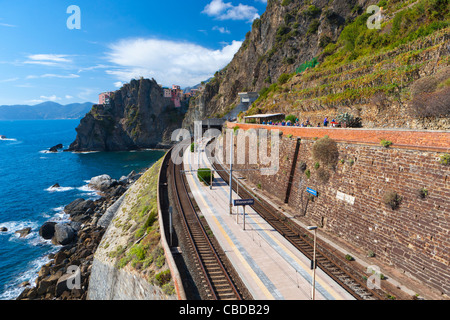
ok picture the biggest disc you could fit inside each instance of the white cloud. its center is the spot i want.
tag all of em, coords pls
(221, 29)
(48, 59)
(7, 25)
(9, 80)
(50, 98)
(227, 11)
(168, 62)
(118, 84)
(68, 97)
(50, 75)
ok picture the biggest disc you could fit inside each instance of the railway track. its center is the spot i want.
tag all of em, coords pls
(216, 281)
(302, 240)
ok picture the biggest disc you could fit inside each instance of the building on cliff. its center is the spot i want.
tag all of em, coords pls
(104, 97)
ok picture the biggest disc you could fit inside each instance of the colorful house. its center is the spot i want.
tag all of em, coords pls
(104, 97)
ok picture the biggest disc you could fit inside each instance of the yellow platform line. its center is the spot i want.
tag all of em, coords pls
(234, 248)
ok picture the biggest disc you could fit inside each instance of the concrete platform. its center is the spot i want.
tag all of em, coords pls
(270, 267)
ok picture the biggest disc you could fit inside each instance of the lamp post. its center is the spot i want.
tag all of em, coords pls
(313, 287)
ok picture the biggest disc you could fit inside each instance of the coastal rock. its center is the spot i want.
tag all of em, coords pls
(3, 229)
(79, 207)
(24, 232)
(64, 234)
(47, 230)
(102, 183)
(56, 148)
(138, 116)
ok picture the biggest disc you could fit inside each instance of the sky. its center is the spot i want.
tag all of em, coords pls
(70, 51)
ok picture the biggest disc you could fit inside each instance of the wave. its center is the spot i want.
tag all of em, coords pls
(14, 226)
(13, 290)
(59, 189)
(7, 139)
(90, 192)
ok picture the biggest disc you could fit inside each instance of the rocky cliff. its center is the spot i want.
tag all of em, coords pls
(287, 34)
(137, 117)
(319, 58)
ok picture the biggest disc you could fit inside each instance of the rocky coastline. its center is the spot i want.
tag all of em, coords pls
(66, 275)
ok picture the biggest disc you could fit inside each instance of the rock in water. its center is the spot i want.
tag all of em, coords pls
(3, 229)
(47, 230)
(56, 148)
(64, 234)
(79, 207)
(24, 232)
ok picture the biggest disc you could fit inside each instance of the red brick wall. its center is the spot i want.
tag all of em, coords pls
(413, 238)
(404, 138)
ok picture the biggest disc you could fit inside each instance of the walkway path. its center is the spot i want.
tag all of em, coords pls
(268, 264)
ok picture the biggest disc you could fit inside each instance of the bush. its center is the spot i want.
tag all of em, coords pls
(433, 104)
(204, 175)
(445, 159)
(291, 117)
(313, 26)
(325, 150)
(308, 173)
(392, 199)
(386, 143)
(323, 175)
(422, 193)
(312, 11)
(163, 278)
(283, 78)
(348, 257)
(349, 120)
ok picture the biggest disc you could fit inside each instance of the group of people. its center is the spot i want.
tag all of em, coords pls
(303, 124)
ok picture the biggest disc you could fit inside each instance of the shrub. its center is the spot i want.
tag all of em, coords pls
(283, 78)
(302, 166)
(312, 11)
(205, 175)
(325, 150)
(313, 26)
(323, 175)
(386, 143)
(433, 104)
(422, 193)
(291, 118)
(445, 159)
(392, 199)
(308, 173)
(348, 257)
(163, 278)
(349, 120)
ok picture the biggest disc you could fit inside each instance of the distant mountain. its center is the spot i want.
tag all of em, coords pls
(45, 111)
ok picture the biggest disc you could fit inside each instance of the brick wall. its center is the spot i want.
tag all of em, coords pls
(413, 238)
(437, 140)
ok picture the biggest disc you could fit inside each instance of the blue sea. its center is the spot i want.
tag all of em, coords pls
(27, 173)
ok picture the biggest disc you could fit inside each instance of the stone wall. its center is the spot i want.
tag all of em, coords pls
(131, 256)
(413, 238)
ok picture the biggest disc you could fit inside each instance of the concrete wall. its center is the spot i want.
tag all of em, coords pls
(414, 238)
